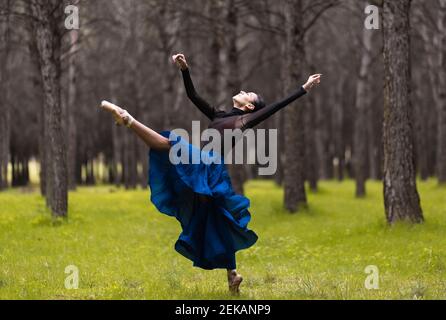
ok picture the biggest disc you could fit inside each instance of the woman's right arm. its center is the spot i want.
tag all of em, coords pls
(201, 104)
(192, 94)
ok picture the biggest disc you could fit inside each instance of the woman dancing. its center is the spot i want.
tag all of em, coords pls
(213, 218)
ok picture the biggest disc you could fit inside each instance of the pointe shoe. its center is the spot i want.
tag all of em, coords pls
(121, 116)
(114, 110)
(234, 281)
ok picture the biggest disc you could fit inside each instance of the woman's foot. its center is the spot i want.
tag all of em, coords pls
(121, 116)
(234, 280)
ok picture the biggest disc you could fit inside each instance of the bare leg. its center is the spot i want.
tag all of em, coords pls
(234, 280)
(151, 138)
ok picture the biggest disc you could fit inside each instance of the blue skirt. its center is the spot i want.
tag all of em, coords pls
(200, 196)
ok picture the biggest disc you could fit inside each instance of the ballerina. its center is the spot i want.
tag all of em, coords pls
(213, 217)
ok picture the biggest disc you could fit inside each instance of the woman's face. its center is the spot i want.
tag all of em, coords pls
(243, 98)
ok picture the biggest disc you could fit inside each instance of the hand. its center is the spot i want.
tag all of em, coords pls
(313, 80)
(180, 61)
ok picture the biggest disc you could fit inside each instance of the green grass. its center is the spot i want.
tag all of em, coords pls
(123, 248)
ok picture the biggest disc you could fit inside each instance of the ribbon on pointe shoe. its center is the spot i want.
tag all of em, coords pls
(128, 119)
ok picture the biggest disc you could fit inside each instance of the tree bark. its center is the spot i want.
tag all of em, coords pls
(295, 196)
(5, 128)
(233, 84)
(48, 41)
(441, 156)
(401, 199)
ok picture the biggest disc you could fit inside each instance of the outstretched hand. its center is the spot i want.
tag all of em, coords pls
(180, 60)
(312, 81)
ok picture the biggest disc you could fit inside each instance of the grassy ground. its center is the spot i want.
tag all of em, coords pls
(123, 248)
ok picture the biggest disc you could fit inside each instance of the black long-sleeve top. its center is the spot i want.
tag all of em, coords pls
(236, 118)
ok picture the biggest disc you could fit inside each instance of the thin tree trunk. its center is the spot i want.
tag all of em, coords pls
(71, 110)
(278, 177)
(360, 133)
(374, 143)
(337, 129)
(5, 128)
(130, 172)
(401, 199)
(311, 161)
(321, 136)
(280, 117)
(215, 85)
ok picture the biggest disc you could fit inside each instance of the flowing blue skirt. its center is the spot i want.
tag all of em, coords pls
(200, 196)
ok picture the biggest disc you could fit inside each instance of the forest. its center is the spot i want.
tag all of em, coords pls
(376, 123)
(122, 51)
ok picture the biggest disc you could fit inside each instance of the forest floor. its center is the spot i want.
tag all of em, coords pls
(123, 248)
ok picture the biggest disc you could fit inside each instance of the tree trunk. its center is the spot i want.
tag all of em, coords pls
(168, 35)
(321, 137)
(130, 172)
(374, 142)
(360, 143)
(5, 128)
(401, 199)
(338, 125)
(311, 158)
(71, 110)
(278, 177)
(311, 169)
(295, 195)
(49, 45)
(280, 116)
(237, 171)
(216, 44)
(441, 156)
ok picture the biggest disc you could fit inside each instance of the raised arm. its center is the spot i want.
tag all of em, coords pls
(252, 119)
(192, 94)
(201, 104)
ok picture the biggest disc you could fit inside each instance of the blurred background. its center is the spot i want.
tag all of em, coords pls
(121, 52)
(361, 151)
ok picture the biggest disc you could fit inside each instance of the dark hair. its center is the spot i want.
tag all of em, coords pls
(258, 103)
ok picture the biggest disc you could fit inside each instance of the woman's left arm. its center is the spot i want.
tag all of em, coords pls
(252, 119)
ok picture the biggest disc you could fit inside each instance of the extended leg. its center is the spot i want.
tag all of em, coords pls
(151, 138)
